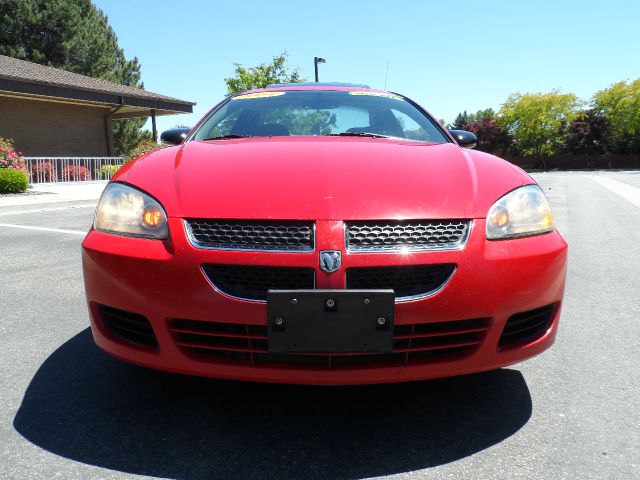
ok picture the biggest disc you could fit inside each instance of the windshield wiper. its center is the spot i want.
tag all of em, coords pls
(356, 134)
(225, 137)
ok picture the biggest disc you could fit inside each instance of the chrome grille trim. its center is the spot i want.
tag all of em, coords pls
(412, 297)
(421, 296)
(352, 228)
(259, 247)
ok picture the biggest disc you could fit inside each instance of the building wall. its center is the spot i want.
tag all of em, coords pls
(42, 128)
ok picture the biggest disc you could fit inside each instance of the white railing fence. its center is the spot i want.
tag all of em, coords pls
(71, 169)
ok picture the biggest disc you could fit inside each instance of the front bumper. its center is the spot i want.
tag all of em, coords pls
(164, 281)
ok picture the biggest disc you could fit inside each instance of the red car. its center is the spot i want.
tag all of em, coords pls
(323, 234)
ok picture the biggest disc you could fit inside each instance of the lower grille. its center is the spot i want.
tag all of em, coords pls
(407, 281)
(128, 326)
(252, 282)
(247, 344)
(526, 327)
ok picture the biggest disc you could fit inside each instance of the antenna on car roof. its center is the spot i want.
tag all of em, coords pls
(386, 75)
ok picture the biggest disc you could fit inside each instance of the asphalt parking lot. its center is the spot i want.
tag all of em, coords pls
(69, 411)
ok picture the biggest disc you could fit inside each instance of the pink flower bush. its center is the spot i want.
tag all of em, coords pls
(73, 172)
(43, 172)
(9, 158)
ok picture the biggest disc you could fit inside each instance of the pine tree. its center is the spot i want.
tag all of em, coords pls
(461, 121)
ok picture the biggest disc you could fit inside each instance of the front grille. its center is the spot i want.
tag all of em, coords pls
(252, 282)
(251, 235)
(128, 326)
(526, 327)
(410, 235)
(248, 345)
(406, 281)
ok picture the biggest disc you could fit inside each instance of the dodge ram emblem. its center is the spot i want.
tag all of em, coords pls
(330, 260)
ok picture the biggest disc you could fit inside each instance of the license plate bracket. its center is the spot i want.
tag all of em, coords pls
(330, 321)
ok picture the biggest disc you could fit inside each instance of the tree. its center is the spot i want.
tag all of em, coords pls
(298, 121)
(464, 119)
(127, 134)
(73, 35)
(620, 105)
(486, 113)
(492, 138)
(40, 32)
(536, 121)
(461, 121)
(588, 134)
(262, 75)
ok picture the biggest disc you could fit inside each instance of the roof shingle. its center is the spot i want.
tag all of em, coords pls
(22, 71)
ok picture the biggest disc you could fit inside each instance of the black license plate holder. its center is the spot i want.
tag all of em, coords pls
(330, 321)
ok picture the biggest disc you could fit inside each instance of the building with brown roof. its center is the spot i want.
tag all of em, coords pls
(52, 112)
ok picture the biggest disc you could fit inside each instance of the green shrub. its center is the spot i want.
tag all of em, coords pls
(13, 181)
(143, 147)
(108, 171)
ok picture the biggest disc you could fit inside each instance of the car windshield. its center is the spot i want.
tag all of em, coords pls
(319, 112)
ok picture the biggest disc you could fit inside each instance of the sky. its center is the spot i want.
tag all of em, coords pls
(447, 56)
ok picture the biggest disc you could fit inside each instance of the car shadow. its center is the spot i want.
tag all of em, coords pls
(86, 406)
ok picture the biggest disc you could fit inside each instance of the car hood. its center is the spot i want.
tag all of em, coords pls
(323, 178)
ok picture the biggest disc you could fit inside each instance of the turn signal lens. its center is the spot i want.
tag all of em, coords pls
(522, 212)
(152, 216)
(499, 217)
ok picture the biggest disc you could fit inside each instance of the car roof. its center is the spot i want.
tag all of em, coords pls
(318, 84)
(315, 86)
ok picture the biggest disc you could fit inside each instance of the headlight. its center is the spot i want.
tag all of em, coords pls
(124, 210)
(522, 212)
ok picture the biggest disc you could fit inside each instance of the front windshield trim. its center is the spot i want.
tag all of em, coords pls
(207, 116)
(437, 124)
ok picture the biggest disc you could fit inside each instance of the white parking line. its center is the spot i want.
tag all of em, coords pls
(624, 190)
(54, 209)
(43, 229)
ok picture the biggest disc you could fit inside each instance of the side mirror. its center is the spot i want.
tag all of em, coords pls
(175, 136)
(465, 139)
